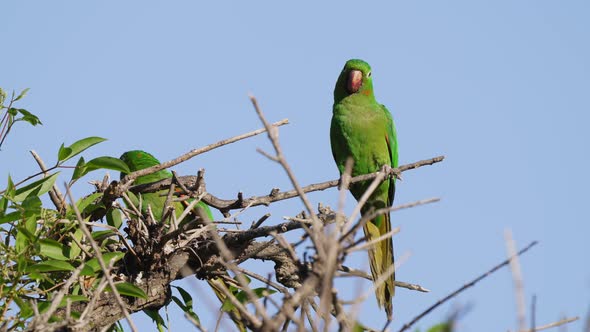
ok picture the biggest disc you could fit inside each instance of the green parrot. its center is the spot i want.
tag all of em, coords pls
(363, 129)
(137, 160)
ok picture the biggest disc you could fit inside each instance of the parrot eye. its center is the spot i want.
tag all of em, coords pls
(369, 74)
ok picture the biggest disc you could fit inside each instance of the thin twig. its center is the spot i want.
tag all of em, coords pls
(222, 204)
(554, 324)
(516, 279)
(128, 179)
(462, 288)
(534, 312)
(260, 221)
(358, 273)
(373, 242)
(382, 211)
(54, 194)
(267, 281)
(273, 137)
(361, 202)
(342, 191)
(195, 322)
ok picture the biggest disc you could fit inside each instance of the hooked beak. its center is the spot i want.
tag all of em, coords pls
(355, 80)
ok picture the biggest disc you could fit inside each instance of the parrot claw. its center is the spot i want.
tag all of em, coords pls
(391, 172)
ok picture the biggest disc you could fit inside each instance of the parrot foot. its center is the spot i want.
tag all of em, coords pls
(391, 172)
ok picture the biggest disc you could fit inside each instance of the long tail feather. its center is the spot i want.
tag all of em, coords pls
(381, 260)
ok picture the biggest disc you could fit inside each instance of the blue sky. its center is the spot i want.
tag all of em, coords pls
(499, 87)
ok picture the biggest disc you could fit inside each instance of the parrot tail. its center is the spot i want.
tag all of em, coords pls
(381, 260)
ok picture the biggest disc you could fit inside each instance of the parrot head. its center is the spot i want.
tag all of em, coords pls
(135, 160)
(355, 78)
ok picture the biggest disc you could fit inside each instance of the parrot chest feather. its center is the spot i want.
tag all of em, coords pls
(364, 137)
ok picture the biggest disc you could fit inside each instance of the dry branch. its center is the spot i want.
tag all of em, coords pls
(464, 287)
(554, 324)
(275, 195)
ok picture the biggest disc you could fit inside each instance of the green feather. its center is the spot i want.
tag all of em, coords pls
(137, 160)
(363, 129)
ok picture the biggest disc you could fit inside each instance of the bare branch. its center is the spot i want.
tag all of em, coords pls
(358, 273)
(274, 138)
(54, 194)
(233, 204)
(464, 287)
(554, 324)
(127, 180)
(517, 279)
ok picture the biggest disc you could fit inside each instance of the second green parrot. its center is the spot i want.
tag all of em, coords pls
(137, 160)
(363, 129)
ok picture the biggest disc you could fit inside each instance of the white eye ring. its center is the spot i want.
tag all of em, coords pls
(369, 74)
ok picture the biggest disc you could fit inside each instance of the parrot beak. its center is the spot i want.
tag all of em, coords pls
(355, 80)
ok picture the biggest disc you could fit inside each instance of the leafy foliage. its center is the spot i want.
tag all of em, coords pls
(9, 115)
(41, 247)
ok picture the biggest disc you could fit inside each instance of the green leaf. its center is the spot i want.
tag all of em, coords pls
(36, 188)
(66, 153)
(53, 249)
(263, 291)
(88, 271)
(157, 318)
(442, 327)
(80, 170)
(22, 94)
(72, 298)
(3, 205)
(29, 117)
(118, 327)
(129, 289)
(84, 202)
(186, 297)
(31, 206)
(25, 309)
(115, 164)
(73, 249)
(179, 303)
(12, 216)
(227, 305)
(114, 218)
(25, 234)
(242, 297)
(50, 266)
(44, 305)
(2, 97)
(63, 152)
(358, 327)
(22, 263)
(187, 306)
(186, 309)
(100, 235)
(10, 189)
(93, 266)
